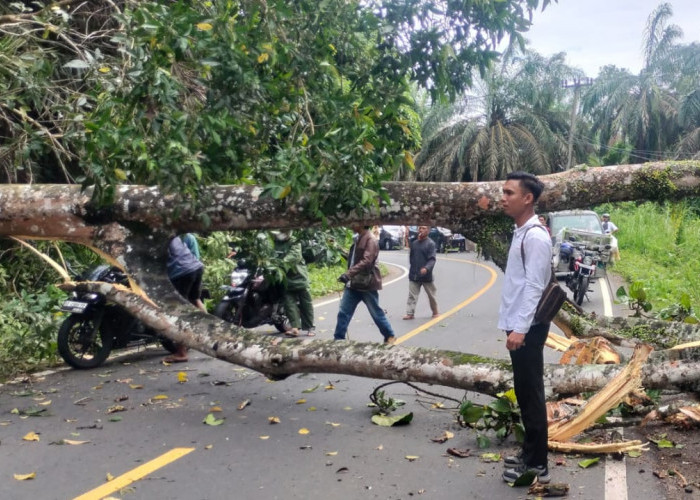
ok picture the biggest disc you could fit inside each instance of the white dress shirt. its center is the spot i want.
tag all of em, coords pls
(523, 285)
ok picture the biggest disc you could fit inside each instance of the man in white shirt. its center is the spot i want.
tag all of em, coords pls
(609, 227)
(528, 271)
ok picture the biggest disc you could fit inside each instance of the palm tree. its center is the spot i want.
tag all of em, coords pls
(639, 109)
(513, 119)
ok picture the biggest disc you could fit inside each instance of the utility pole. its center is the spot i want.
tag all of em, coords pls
(576, 83)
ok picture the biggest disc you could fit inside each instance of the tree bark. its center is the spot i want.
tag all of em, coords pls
(134, 233)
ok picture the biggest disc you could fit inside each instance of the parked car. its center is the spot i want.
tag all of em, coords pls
(580, 226)
(391, 237)
(445, 240)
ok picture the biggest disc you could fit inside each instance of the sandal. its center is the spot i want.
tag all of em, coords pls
(172, 359)
(309, 333)
(292, 333)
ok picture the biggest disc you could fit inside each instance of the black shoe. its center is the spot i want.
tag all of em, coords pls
(541, 472)
(514, 461)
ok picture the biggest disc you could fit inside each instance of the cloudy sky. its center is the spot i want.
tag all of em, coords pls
(594, 33)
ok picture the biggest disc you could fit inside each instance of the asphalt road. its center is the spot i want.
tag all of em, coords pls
(324, 446)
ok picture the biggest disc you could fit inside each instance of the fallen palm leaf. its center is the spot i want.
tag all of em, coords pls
(304, 431)
(215, 409)
(412, 458)
(333, 424)
(159, 397)
(45, 403)
(264, 437)
(115, 409)
(300, 401)
(331, 453)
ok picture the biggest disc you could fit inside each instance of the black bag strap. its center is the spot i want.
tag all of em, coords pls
(522, 248)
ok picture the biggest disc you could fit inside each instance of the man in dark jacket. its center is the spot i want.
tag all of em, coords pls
(362, 260)
(420, 274)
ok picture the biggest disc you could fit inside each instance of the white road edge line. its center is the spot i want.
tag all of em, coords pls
(404, 272)
(615, 470)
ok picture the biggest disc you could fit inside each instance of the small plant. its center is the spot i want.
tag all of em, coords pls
(681, 311)
(501, 415)
(636, 300)
(385, 404)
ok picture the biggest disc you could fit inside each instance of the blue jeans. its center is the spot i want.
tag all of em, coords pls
(348, 304)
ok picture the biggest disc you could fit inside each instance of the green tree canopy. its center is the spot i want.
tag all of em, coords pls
(307, 98)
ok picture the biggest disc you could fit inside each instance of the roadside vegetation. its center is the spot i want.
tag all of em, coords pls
(659, 248)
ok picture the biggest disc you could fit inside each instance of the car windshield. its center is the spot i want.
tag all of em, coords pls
(581, 222)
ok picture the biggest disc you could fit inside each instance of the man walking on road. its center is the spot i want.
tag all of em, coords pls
(362, 260)
(421, 258)
(528, 271)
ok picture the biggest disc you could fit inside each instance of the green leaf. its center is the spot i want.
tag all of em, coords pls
(664, 443)
(472, 414)
(210, 419)
(390, 421)
(500, 405)
(311, 389)
(526, 479)
(585, 464)
(482, 441)
(115, 418)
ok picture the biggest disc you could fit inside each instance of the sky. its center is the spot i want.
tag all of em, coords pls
(594, 33)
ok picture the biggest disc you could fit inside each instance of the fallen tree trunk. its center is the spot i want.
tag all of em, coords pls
(278, 360)
(134, 231)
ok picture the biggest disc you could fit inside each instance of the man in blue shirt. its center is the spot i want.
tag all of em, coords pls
(528, 271)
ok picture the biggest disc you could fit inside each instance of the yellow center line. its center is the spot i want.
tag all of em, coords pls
(456, 308)
(139, 472)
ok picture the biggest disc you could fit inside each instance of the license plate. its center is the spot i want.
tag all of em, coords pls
(73, 306)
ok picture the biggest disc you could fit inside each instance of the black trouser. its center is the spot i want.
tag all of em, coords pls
(528, 379)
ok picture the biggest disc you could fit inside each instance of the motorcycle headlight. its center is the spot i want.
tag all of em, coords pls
(238, 277)
(91, 296)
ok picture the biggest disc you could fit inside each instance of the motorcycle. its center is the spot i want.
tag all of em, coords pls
(583, 264)
(95, 327)
(250, 301)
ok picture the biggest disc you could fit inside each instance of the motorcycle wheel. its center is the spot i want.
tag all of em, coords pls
(582, 289)
(168, 345)
(81, 345)
(283, 324)
(226, 310)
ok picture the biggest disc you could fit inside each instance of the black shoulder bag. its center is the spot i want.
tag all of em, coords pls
(553, 295)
